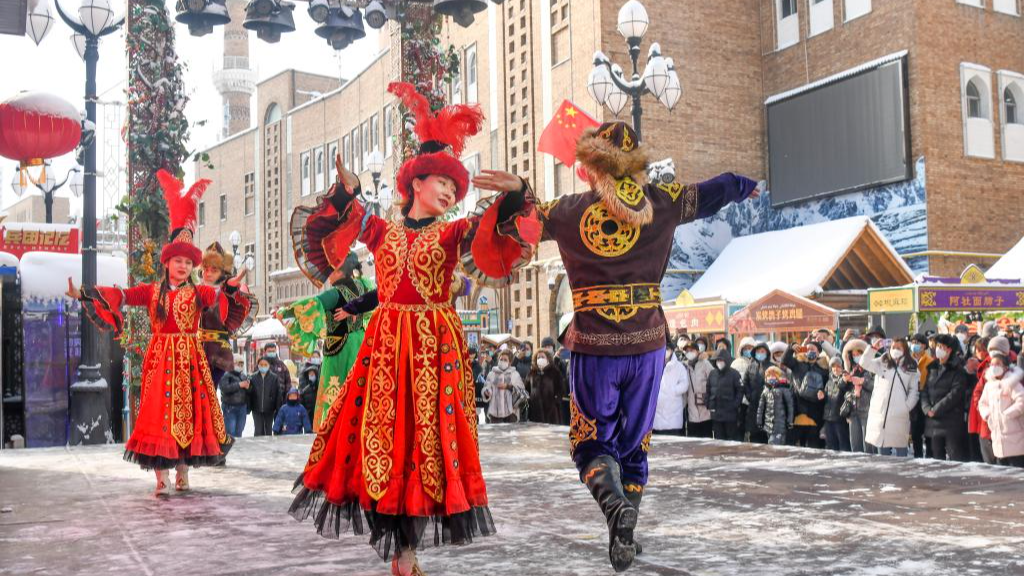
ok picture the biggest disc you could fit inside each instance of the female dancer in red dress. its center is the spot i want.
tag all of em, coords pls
(180, 422)
(399, 444)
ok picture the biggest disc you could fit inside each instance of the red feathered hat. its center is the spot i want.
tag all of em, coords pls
(442, 137)
(181, 207)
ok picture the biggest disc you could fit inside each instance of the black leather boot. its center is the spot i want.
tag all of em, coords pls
(603, 477)
(635, 493)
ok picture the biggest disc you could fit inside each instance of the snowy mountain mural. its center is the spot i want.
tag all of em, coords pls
(898, 210)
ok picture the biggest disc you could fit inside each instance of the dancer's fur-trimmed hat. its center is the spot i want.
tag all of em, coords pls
(617, 167)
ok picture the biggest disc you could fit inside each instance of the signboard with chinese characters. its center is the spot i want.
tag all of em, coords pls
(781, 312)
(698, 318)
(965, 298)
(18, 238)
(894, 300)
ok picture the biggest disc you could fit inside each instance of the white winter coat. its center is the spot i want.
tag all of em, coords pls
(697, 397)
(895, 395)
(1002, 407)
(675, 382)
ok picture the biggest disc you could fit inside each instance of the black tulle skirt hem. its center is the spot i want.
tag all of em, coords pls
(147, 462)
(389, 534)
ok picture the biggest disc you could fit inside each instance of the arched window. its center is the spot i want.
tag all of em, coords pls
(273, 114)
(1010, 106)
(974, 108)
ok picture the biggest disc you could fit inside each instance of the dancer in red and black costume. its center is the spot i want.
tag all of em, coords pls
(180, 423)
(399, 443)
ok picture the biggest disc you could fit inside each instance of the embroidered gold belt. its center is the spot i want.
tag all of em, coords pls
(616, 302)
(428, 307)
(218, 336)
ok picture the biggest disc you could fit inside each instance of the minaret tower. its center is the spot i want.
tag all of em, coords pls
(234, 79)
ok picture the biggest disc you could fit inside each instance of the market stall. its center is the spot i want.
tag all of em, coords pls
(780, 315)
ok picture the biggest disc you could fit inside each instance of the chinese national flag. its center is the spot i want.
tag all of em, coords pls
(563, 132)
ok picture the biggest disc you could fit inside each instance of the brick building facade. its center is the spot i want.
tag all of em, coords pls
(526, 56)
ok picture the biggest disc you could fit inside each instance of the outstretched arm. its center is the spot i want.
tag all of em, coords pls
(708, 197)
(499, 236)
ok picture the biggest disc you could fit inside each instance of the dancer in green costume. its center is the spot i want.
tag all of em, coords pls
(338, 316)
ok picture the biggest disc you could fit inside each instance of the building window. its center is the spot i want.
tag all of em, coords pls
(975, 3)
(472, 165)
(821, 15)
(389, 129)
(855, 9)
(1011, 87)
(332, 153)
(973, 100)
(346, 152)
(1006, 7)
(472, 85)
(374, 132)
(249, 196)
(357, 160)
(223, 207)
(304, 173)
(365, 144)
(202, 213)
(1010, 107)
(976, 93)
(457, 85)
(320, 169)
(787, 24)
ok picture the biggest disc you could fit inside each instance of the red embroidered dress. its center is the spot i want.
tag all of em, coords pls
(180, 420)
(400, 441)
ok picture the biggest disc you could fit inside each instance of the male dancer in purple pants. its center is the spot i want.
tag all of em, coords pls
(615, 242)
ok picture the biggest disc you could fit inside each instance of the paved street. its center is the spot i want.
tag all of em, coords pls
(712, 508)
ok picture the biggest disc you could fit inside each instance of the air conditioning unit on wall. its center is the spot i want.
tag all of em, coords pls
(13, 16)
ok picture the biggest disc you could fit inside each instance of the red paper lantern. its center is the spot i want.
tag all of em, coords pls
(35, 126)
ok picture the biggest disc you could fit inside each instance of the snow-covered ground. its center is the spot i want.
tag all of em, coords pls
(712, 508)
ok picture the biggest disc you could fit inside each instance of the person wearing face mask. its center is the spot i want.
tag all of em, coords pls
(670, 415)
(775, 408)
(265, 397)
(680, 346)
(977, 427)
(919, 349)
(894, 397)
(963, 337)
(504, 390)
(740, 365)
(753, 386)
(702, 345)
(837, 430)
(277, 367)
(810, 372)
(857, 404)
(546, 387)
(698, 415)
(524, 360)
(234, 397)
(976, 365)
(292, 418)
(725, 394)
(942, 400)
(309, 384)
(1002, 408)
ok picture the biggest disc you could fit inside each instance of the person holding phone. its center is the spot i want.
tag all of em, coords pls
(942, 400)
(895, 396)
(859, 397)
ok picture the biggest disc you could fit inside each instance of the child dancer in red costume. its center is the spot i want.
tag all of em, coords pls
(180, 422)
(399, 444)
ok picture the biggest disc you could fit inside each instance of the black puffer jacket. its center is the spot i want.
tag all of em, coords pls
(775, 411)
(231, 394)
(753, 386)
(943, 394)
(725, 392)
(809, 378)
(308, 387)
(265, 395)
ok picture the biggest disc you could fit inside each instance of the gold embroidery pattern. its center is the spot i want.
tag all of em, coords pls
(629, 191)
(379, 426)
(219, 430)
(616, 302)
(323, 433)
(673, 190)
(181, 391)
(390, 258)
(184, 306)
(545, 208)
(425, 393)
(306, 314)
(581, 428)
(617, 339)
(645, 444)
(604, 235)
(428, 307)
(627, 142)
(635, 488)
(426, 264)
(691, 199)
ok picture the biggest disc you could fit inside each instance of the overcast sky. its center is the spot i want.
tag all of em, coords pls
(55, 67)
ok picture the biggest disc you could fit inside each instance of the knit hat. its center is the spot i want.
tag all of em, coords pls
(442, 135)
(875, 330)
(617, 167)
(989, 329)
(747, 341)
(961, 328)
(239, 358)
(999, 344)
(181, 208)
(778, 347)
